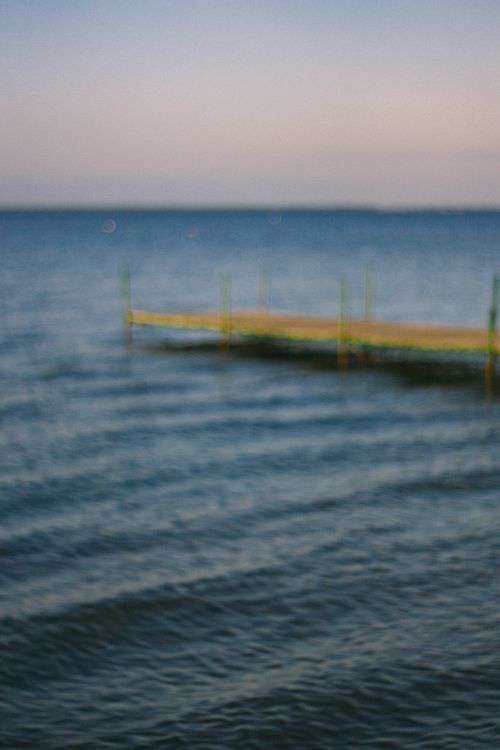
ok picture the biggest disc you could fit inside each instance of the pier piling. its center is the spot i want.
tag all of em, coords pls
(225, 310)
(343, 338)
(126, 295)
(492, 324)
(264, 288)
(367, 296)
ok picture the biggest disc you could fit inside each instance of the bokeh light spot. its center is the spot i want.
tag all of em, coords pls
(109, 226)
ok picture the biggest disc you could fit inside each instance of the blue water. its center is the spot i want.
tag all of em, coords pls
(201, 550)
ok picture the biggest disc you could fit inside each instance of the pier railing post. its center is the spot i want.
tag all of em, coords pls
(492, 324)
(264, 289)
(367, 296)
(343, 341)
(126, 295)
(225, 310)
(365, 355)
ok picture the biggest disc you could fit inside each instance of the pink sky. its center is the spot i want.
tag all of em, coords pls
(168, 103)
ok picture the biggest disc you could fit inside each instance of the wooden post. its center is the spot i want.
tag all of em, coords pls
(364, 356)
(225, 310)
(126, 306)
(264, 289)
(343, 346)
(367, 296)
(492, 324)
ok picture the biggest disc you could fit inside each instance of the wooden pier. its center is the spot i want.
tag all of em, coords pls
(311, 328)
(349, 335)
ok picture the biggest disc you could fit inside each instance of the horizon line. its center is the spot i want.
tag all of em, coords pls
(251, 207)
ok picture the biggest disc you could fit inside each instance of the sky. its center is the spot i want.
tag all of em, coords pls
(231, 102)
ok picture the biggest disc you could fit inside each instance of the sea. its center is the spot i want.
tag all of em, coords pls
(218, 549)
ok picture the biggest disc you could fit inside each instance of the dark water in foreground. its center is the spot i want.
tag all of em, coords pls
(210, 551)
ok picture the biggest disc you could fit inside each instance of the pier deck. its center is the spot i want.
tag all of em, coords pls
(373, 334)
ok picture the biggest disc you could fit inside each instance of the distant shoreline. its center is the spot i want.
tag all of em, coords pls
(288, 209)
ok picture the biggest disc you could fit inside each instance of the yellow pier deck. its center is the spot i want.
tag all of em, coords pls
(375, 334)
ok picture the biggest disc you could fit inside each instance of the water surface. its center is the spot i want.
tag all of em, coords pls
(210, 551)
